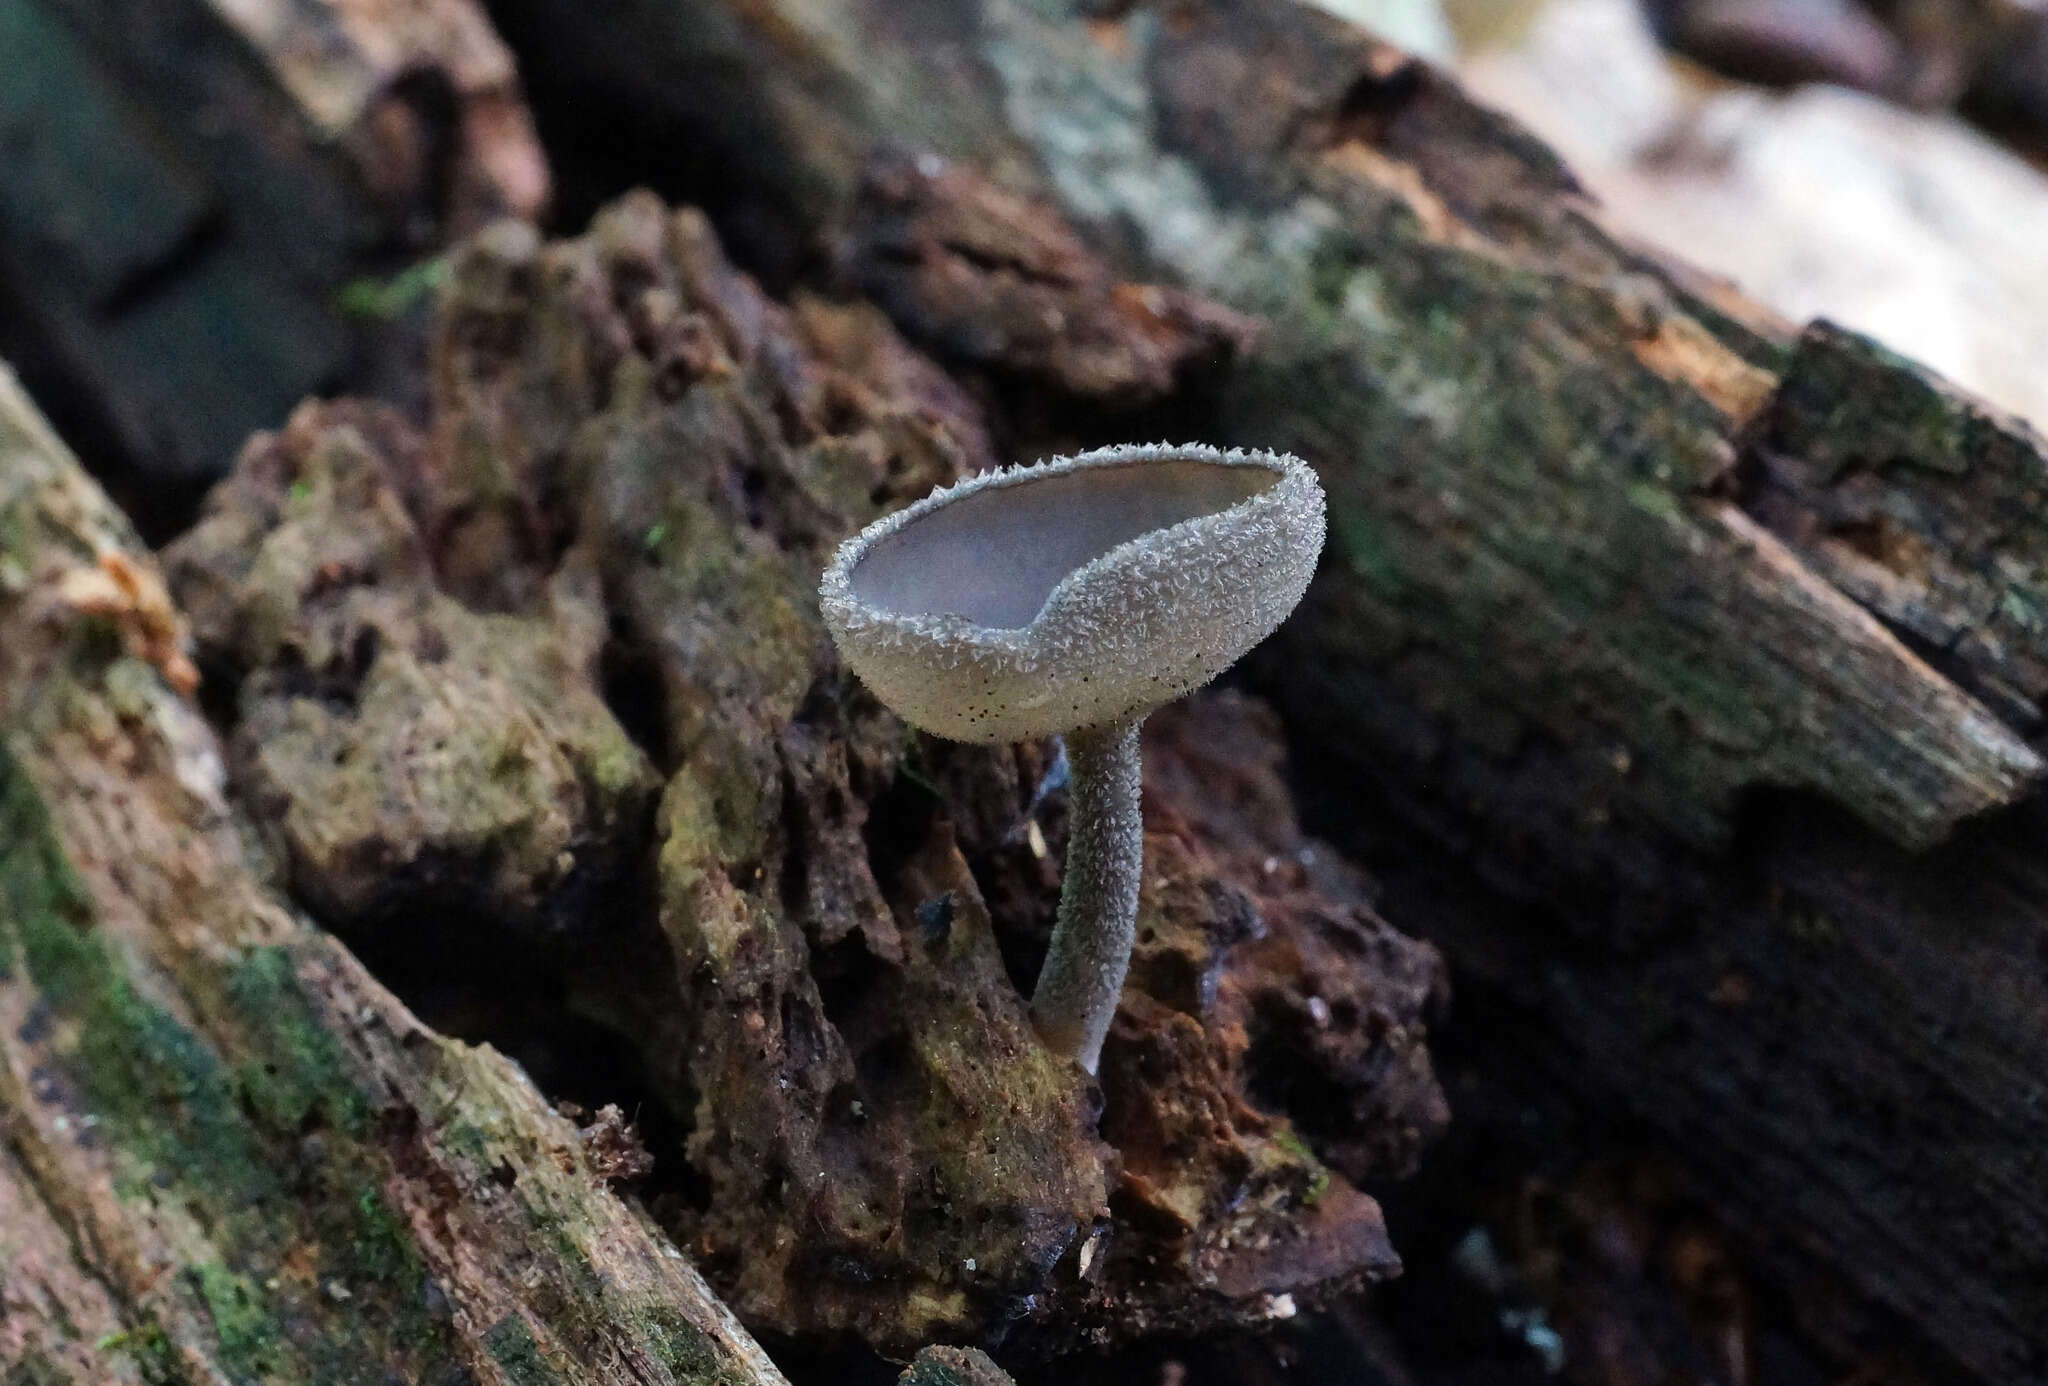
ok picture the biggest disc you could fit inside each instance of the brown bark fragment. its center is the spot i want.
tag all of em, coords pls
(1919, 502)
(983, 277)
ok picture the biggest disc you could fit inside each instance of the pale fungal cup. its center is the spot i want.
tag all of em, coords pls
(1072, 598)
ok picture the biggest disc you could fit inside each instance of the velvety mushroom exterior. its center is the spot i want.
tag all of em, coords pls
(1080, 592)
(1074, 597)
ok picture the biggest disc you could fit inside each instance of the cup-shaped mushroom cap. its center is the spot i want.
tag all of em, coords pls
(1088, 589)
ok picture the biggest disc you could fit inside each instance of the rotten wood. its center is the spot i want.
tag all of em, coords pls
(56, 1317)
(992, 280)
(807, 950)
(1623, 583)
(1657, 657)
(229, 1153)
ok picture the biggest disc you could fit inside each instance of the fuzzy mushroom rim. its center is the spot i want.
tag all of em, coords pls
(1134, 626)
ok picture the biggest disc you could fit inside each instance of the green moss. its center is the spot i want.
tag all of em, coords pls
(249, 1337)
(300, 1076)
(1333, 266)
(229, 1143)
(617, 766)
(381, 300)
(380, 1249)
(511, 1345)
(942, 1366)
(149, 1347)
(35, 881)
(14, 532)
(1655, 500)
(1849, 400)
(1512, 507)
(687, 1351)
(933, 1374)
(691, 1356)
(147, 1078)
(1289, 1140)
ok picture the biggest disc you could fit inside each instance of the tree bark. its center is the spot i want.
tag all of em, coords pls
(229, 1153)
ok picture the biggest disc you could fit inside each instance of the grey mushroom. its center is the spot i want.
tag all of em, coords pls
(1071, 599)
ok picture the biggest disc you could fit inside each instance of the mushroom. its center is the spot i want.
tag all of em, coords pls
(1071, 599)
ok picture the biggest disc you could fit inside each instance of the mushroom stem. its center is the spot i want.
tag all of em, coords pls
(1091, 941)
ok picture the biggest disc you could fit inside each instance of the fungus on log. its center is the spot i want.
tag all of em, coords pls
(1616, 562)
(1073, 598)
(799, 958)
(1638, 603)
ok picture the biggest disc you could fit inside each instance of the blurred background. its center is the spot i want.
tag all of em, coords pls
(212, 208)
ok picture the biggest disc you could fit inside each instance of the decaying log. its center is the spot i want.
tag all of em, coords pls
(192, 186)
(1702, 637)
(1622, 582)
(1844, 1037)
(226, 1152)
(635, 468)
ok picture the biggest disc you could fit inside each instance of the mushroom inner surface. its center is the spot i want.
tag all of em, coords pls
(994, 555)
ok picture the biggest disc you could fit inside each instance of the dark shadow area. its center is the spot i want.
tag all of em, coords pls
(525, 997)
(1619, 1094)
(630, 682)
(159, 505)
(609, 127)
(847, 1365)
